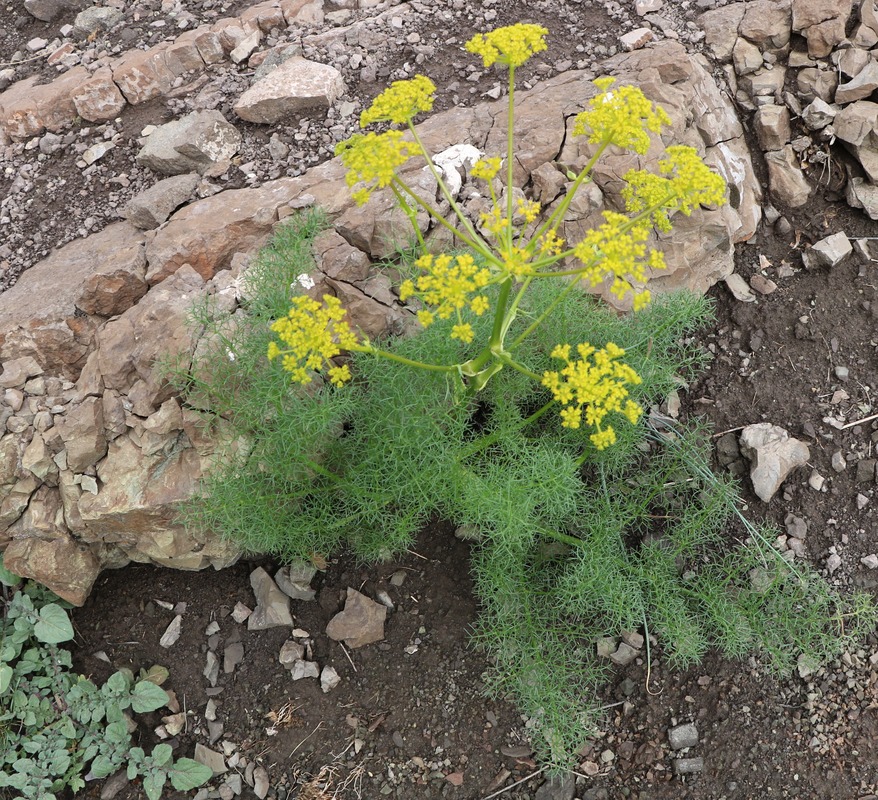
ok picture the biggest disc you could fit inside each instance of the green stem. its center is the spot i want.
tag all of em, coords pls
(558, 214)
(510, 131)
(442, 187)
(487, 441)
(475, 244)
(410, 213)
(539, 320)
(509, 362)
(403, 360)
(561, 537)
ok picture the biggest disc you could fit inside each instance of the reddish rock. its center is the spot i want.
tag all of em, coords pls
(82, 431)
(39, 317)
(209, 47)
(208, 233)
(66, 567)
(143, 74)
(183, 56)
(98, 99)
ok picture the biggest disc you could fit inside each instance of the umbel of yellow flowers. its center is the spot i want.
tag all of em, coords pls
(514, 244)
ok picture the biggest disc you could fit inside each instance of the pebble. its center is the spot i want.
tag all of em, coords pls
(682, 736)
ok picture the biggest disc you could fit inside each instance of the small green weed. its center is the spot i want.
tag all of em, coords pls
(59, 729)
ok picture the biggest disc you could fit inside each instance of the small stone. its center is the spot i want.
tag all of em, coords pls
(862, 501)
(761, 284)
(681, 736)
(232, 656)
(828, 252)
(212, 628)
(842, 373)
(210, 758)
(866, 470)
(838, 462)
(833, 562)
(606, 646)
(634, 40)
(211, 669)
(398, 578)
(210, 710)
(96, 152)
(795, 526)
(272, 605)
(739, 288)
(290, 653)
(260, 782)
(360, 623)
(816, 481)
(633, 638)
(241, 612)
(624, 654)
(688, 766)
(643, 7)
(870, 561)
(172, 633)
(329, 679)
(295, 579)
(36, 44)
(304, 669)
(806, 665)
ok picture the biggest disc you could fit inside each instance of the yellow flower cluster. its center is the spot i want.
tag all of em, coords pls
(611, 250)
(486, 168)
(593, 385)
(313, 333)
(621, 117)
(689, 182)
(373, 159)
(450, 284)
(512, 45)
(401, 101)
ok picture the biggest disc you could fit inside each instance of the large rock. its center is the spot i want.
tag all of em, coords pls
(41, 316)
(360, 623)
(153, 206)
(295, 86)
(788, 184)
(66, 567)
(129, 347)
(98, 99)
(699, 250)
(192, 143)
(773, 454)
(861, 87)
(821, 23)
(207, 233)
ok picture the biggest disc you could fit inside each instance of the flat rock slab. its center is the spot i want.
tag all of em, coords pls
(295, 86)
(152, 207)
(190, 144)
(360, 623)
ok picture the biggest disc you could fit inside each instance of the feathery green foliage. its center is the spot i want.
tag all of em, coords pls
(571, 545)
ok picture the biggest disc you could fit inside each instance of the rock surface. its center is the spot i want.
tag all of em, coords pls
(773, 454)
(361, 622)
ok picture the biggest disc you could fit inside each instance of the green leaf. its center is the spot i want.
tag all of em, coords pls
(54, 625)
(7, 577)
(147, 697)
(153, 783)
(117, 682)
(162, 754)
(156, 674)
(188, 774)
(102, 766)
(5, 677)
